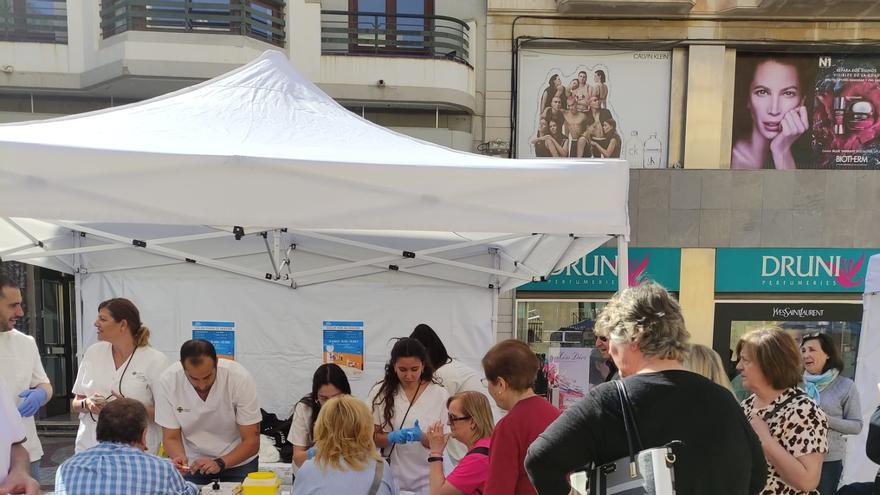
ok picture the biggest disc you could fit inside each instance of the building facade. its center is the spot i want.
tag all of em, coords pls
(693, 94)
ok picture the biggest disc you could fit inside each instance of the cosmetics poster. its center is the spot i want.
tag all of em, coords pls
(798, 111)
(594, 104)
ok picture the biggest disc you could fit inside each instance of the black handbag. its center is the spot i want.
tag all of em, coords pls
(648, 471)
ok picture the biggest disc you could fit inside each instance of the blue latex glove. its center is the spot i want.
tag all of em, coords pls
(406, 435)
(33, 400)
(310, 454)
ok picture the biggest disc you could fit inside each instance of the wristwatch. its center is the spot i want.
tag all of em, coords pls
(220, 463)
(435, 459)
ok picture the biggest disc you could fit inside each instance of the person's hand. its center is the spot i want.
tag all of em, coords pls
(436, 438)
(310, 454)
(92, 406)
(205, 466)
(19, 482)
(181, 464)
(794, 123)
(761, 428)
(406, 435)
(33, 400)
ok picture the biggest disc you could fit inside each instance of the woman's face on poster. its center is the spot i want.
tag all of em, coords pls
(606, 126)
(543, 126)
(594, 102)
(775, 90)
(553, 127)
(582, 78)
(574, 84)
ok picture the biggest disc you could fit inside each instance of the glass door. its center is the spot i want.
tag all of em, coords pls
(54, 334)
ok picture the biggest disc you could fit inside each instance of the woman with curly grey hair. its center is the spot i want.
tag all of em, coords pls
(718, 452)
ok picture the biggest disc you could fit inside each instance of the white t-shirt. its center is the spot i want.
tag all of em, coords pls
(300, 432)
(409, 461)
(98, 375)
(11, 429)
(457, 377)
(21, 370)
(209, 427)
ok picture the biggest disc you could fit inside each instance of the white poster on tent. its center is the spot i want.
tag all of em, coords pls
(594, 103)
(344, 346)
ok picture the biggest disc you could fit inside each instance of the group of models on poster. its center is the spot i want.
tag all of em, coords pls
(574, 120)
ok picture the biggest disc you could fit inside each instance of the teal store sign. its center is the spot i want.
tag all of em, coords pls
(791, 270)
(597, 271)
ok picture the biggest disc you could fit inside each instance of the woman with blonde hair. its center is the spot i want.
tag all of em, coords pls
(705, 361)
(792, 429)
(346, 459)
(471, 423)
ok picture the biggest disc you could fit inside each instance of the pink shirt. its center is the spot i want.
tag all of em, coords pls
(471, 473)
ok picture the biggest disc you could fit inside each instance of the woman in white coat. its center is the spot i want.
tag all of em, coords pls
(121, 364)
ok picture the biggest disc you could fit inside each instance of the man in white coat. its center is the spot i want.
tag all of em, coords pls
(22, 371)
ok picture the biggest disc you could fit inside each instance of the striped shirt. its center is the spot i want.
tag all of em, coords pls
(116, 469)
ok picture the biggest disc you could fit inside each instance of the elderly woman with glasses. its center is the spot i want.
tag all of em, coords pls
(718, 452)
(470, 421)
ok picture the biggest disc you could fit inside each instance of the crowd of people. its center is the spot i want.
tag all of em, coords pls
(431, 425)
(574, 119)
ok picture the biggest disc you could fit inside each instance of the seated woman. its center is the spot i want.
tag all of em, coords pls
(470, 419)
(792, 428)
(346, 460)
(328, 382)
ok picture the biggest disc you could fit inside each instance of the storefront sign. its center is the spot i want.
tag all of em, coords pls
(791, 270)
(597, 271)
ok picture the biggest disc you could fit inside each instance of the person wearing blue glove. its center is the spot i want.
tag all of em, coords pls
(406, 435)
(310, 453)
(407, 397)
(27, 383)
(32, 400)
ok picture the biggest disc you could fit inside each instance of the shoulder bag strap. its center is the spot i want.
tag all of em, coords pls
(479, 450)
(377, 478)
(629, 425)
(782, 404)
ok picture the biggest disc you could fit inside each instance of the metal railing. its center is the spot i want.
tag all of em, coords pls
(260, 19)
(409, 35)
(38, 21)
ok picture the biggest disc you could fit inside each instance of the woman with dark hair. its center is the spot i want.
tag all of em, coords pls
(329, 381)
(455, 376)
(600, 88)
(121, 364)
(406, 398)
(775, 102)
(555, 87)
(838, 398)
(791, 427)
(511, 368)
(608, 146)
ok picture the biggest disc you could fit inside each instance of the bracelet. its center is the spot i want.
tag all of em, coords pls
(435, 459)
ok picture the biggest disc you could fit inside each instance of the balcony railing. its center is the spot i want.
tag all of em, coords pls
(260, 19)
(39, 21)
(408, 35)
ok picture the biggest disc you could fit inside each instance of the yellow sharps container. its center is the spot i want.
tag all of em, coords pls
(260, 483)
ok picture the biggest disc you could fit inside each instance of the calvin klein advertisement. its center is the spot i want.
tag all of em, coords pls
(806, 111)
(594, 104)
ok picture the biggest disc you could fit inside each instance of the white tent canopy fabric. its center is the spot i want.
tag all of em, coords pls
(258, 174)
(857, 467)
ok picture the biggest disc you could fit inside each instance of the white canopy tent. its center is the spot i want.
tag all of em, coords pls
(857, 466)
(258, 174)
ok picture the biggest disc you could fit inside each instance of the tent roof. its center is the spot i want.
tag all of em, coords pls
(263, 146)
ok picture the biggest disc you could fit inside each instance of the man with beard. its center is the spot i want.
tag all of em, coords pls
(210, 416)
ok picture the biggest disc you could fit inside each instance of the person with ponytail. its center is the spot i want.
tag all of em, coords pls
(120, 364)
(329, 381)
(407, 399)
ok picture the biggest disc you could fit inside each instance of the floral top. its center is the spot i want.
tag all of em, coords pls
(799, 425)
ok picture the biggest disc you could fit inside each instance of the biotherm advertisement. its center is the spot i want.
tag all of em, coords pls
(594, 104)
(806, 111)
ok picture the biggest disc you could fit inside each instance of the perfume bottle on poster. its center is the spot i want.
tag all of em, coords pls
(653, 152)
(634, 150)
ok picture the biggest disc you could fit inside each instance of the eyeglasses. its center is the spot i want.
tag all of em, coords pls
(602, 338)
(453, 419)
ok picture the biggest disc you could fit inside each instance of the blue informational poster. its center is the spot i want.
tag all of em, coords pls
(344, 345)
(219, 333)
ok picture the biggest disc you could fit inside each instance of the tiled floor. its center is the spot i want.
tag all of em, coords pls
(55, 451)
